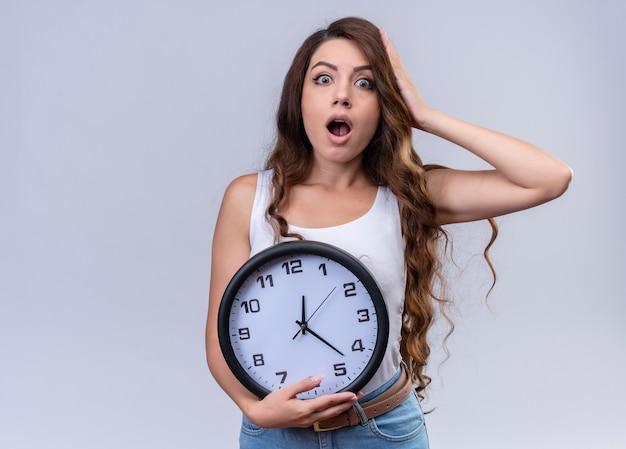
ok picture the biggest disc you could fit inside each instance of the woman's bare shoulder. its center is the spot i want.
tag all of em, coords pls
(247, 181)
(242, 189)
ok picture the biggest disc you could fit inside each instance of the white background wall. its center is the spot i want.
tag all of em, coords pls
(121, 122)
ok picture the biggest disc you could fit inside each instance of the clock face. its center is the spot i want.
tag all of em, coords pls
(300, 309)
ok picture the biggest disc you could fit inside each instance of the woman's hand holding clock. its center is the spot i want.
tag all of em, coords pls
(282, 408)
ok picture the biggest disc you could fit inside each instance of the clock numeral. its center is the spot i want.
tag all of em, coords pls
(282, 375)
(262, 280)
(364, 315)
(322, 268)
(244, 333)
(340, 369)
(358, 346)
(252, 306)
(349, 289)
(293, 266)
(258, 360)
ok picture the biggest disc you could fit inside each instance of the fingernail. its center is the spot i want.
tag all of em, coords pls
(317, 379)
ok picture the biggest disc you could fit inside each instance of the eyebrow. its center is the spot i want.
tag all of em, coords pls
(334, 67)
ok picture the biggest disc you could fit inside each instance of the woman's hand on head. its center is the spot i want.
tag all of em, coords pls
(418, 107)
(282, 408)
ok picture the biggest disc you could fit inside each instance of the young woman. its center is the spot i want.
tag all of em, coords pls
(344, 165)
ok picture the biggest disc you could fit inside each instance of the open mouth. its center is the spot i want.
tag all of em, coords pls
(338, 127)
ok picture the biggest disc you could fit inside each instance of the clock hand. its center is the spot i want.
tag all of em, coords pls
(305, 326)
(318, 307)
(303, 316)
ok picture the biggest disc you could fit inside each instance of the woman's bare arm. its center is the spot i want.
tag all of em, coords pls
(523, 175)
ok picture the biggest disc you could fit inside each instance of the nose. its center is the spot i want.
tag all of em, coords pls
(343, 100)
(342, 96)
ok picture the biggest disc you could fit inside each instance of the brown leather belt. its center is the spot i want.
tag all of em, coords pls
(391, 398)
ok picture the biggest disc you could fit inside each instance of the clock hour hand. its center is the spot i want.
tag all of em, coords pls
(304, 326)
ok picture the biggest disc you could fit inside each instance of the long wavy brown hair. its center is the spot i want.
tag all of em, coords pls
(389, 160)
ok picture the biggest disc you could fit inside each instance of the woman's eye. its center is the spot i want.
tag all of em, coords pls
(323, 79)
(365, 83)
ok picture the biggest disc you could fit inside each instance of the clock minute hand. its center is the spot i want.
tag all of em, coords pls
(312, 332)
(303, 316)
(303, 322)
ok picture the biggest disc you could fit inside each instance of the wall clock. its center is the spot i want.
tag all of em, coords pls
(299, 309)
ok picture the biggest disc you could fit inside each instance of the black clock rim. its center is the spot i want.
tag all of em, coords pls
(303, 247)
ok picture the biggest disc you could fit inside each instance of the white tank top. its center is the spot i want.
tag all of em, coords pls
(374, 238)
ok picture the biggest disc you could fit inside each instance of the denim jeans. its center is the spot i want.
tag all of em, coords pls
(402, 427)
